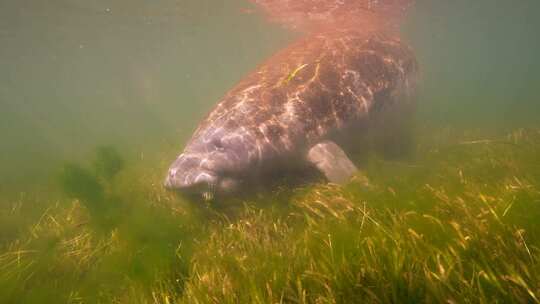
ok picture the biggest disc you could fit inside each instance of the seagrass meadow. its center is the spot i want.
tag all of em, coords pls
(459, 226)
(97, 99)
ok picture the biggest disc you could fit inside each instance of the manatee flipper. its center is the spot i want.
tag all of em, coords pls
(332, 161)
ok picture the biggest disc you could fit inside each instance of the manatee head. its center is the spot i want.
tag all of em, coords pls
(209, 167)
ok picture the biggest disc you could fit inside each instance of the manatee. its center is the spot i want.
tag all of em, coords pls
(297, 109)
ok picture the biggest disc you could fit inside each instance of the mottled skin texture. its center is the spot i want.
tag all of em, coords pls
(318, 88)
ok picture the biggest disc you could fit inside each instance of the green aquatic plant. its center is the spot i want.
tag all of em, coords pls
(94, 187)
(458, 226)
(81, 183)
(107, 162)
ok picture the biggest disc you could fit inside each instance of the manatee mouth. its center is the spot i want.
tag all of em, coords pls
(203, 185)
(192, 182)
(190, 175)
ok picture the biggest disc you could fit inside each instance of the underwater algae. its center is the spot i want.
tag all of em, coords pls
(456, 225)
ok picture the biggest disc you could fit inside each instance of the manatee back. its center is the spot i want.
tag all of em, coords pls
(319, 85)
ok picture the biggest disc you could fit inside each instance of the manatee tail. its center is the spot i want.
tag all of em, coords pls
(319, 15)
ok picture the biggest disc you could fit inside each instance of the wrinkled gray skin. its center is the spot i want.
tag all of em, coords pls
(211, 163)
(318, 89)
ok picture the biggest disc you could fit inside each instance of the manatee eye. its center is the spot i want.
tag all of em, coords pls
(217, 144)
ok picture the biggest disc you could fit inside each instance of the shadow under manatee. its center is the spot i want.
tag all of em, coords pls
(391, 132)
(275, 190)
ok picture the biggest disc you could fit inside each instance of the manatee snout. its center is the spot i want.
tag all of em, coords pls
(189, 174)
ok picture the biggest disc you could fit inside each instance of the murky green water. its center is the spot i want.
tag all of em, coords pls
(138, 76)
(479, 61)
(141, 74)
